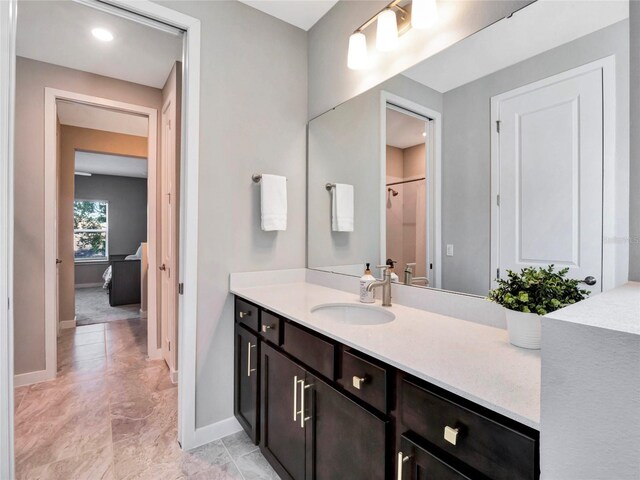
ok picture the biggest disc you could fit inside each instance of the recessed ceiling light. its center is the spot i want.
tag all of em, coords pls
(102, 34)
(424, 134)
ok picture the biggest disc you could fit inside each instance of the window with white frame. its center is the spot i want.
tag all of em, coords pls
(90, 230)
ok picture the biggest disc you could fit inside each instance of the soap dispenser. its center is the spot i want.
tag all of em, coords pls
(365, 295)
(394, 275)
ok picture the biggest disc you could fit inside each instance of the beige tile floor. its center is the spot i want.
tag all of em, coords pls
(111, 414)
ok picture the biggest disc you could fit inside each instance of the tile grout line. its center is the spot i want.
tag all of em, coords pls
(233, 460)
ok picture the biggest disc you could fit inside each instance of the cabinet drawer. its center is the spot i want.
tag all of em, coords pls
(415, 461)
(364, 380)
(313, 351)
(492, 448)
(247, 314)
(271, 327)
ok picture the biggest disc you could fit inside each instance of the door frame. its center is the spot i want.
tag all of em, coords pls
(7, 100)
(610, 252)
(140, 11)
(433, 173)
(51, 97)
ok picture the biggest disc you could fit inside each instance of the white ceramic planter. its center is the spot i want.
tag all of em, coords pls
(524, 329)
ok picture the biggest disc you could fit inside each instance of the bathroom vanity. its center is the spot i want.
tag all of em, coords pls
(405, 395)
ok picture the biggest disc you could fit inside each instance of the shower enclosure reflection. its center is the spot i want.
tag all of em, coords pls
(406, 206)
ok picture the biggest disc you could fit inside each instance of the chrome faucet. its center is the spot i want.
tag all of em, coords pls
(385, 283)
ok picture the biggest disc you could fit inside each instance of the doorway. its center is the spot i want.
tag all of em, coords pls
(164, 19)
(411, 177)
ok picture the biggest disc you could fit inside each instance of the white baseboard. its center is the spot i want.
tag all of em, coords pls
(68, 323)
(215, 431)
(89, 285)
(30, 378)
(174, 376)
(143, 313)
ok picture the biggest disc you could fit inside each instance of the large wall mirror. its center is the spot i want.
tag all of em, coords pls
(508, 149)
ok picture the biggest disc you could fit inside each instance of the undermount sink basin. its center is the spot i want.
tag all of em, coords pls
(353, 314)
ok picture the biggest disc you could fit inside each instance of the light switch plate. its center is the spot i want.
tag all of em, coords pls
(449, 250)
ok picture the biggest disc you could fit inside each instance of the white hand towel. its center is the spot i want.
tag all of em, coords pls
(273, 199)
(342, 208)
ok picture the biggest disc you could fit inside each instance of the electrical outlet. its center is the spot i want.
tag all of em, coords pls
(449, 250)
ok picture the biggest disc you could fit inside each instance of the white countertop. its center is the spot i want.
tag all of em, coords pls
(617, 309)
(468, 359)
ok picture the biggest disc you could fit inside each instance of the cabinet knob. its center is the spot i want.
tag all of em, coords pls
(265, 328)
(358, 382)
(451, 434)
(244, 314)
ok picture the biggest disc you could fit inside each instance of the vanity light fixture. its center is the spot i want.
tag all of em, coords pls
(423, 13)
(358, 58)
(387, 31)
(102, 34)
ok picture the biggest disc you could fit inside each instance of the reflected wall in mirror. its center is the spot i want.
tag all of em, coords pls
(508, 149)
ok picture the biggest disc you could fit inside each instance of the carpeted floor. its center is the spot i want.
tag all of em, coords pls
(92, 306)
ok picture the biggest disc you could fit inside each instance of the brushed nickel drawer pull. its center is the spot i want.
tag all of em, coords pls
(265, 328)
(402, 459)
(451, 434)
(358, 382)
(244, 314)
(302, 407)
(295, 398)
(249, 369)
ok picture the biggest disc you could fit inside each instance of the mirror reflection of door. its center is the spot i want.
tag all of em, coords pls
(407, 217)
(550, 162)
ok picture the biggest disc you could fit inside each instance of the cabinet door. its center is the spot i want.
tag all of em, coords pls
(283, 435)
(415, 462)
(246, 381)
(348, 441)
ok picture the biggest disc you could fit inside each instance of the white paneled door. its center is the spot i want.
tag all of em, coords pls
(169, 226)
(549, 175)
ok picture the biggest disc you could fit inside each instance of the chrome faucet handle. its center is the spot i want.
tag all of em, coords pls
(410, 266)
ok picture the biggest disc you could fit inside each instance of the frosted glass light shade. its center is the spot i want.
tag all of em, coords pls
(387, 31)
(357, 57)
(424, 13)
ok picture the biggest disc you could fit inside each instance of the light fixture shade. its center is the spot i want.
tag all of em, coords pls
(357, 57)
(387, 31)
(424, 13)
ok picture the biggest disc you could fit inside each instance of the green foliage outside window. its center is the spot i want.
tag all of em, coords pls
(90, 229)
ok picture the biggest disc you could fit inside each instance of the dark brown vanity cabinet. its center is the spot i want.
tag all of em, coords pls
(247, 380)
(323, 411)
(416, 462)
(312, 431)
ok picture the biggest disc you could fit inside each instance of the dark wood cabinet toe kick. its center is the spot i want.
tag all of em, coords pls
(321, 410)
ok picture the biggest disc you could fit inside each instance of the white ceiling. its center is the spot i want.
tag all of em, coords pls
(404, 131)
(104, 164)
(539, 27)
(59, 32)
(87, 116)
(302, 13)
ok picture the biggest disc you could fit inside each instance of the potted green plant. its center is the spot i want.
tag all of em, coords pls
(530, 294)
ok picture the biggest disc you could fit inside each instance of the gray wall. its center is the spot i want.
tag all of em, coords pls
(344, 147)
(467, 149)
(127, 199)
(253, 114)
(634, 190)
(331, 82)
